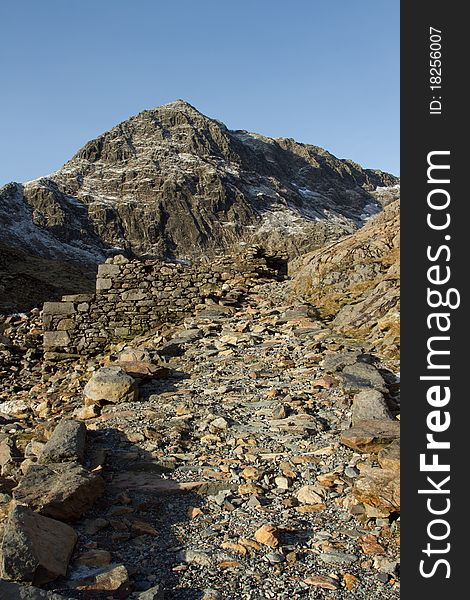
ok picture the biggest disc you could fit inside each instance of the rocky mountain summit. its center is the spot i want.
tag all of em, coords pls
(173, 182)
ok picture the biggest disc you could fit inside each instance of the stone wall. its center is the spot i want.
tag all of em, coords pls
(134, 296)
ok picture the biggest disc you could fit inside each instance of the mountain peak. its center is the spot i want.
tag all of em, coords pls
(171, 181)
(178, 103)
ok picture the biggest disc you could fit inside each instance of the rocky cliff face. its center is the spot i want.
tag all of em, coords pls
(355, 281)
(173, 182)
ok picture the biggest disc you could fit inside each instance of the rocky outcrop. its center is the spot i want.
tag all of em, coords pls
(173, 182)
(355, 281)
(61, 491)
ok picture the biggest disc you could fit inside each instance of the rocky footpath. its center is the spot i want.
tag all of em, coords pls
(248, 452)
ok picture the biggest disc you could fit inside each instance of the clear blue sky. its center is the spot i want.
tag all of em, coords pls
(322, 72)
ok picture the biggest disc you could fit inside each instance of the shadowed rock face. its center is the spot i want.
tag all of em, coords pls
(172, 182)
(27, 280)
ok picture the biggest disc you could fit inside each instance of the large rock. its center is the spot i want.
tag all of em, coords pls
(379, 488)
(17, 591)
(111, 384)
(369, 405)
(372, 435)
(360, 376)
(111, 580)
(62, 491)
(35, 549)
(67, 443)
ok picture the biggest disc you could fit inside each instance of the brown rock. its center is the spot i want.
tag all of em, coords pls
(308, 495)
(370, 545)
(94, 558)
(268, 535)
(111, 578)
(143, 528)
(246, 489)
(143, 370)
(371, 436)
(322, 581)
(349, 581)
(251, 473)
(326, 382)
(389, 457)
(250, 543)
(238, 548)
(379, 488)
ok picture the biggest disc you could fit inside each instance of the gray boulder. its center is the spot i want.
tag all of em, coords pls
(360, 376)
(112, 384)
(67, 443)
(368, 405)
(35, 549)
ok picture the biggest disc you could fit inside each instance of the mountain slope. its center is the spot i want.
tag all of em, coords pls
(173, 182)
(356, 280)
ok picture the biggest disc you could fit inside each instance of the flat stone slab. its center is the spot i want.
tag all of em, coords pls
(360, 376)
(62, 491)
(371, 436)
(56, 339)
(58, 308)
(108, 271)
(78, 297)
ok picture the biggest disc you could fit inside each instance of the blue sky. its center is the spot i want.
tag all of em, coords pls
(325, 73)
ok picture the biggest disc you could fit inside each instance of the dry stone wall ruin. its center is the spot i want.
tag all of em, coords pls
(134, 296)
